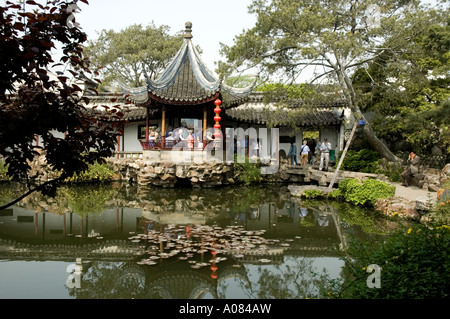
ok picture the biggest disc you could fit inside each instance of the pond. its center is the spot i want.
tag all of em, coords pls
(123, 241)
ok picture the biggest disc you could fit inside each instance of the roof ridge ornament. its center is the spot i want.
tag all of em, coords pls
(188, 31)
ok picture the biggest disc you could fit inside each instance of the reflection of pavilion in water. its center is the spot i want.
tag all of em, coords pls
(27, 235)
(179, 281)
(283, 219)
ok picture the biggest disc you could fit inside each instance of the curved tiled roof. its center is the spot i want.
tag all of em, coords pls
(187, 81)
(184, 88)
(279, 116)
(255, 110)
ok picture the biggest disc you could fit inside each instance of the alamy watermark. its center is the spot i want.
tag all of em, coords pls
(374, 279)
(76, 273)
(237, 145)
(373, 16)
(72, 9)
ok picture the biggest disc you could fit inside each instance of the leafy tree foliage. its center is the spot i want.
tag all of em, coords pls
(36, 102)
(409, 92)
(130, 54)
(333, 38)
(413, 261)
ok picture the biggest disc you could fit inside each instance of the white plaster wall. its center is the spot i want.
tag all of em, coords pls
(130, 140)
(332, 133)
(54, 133)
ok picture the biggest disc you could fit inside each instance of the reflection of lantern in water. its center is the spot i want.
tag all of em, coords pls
(188, 231)
(214, 269)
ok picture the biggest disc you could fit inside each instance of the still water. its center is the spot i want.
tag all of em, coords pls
(122, 241)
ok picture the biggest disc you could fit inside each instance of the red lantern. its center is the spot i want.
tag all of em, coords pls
(217, 118)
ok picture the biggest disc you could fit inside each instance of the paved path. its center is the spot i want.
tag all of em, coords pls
(413, 193)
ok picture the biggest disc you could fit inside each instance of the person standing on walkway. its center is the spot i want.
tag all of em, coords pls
(293, 154)
(412, 169)
(312, 146)
(325, 148)
(304, 153)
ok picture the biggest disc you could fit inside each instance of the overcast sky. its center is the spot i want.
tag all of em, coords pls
(213, 21)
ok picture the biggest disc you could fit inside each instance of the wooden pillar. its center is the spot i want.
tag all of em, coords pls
(224, 129)
(163, 128)
(147, 133)
(205, 120)
(205, 124)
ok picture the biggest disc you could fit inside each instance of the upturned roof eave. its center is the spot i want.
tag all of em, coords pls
(174, 87)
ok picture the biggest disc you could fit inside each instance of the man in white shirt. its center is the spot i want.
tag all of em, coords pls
(324, 154)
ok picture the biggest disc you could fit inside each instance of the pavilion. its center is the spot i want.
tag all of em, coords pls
(186, 97)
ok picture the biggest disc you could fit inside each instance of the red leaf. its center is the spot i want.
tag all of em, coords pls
(47, 44)
(77, 88)
(19, 26)
(29, 55)
(94, 90)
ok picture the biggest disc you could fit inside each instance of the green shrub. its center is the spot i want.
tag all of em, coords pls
(366, 193)
(336, 194)
(4, 172)
(414, 265)
(392, 171)
(97, 172)
(248, 173)
(364, 160)
(312, 193)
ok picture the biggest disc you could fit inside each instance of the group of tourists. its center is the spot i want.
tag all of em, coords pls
(309, 151)
(190, 138)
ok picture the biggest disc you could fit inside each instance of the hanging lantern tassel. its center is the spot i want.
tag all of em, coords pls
(217, 118)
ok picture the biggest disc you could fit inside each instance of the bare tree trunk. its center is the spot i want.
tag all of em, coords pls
(378, 145)
(373, 140)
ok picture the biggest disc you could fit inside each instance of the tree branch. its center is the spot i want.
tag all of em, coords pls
(270, 54)
(320, 75)
(37, 188)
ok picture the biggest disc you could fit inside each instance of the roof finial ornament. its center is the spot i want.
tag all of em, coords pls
(188, 34)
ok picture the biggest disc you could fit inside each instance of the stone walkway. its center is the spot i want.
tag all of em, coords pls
(420, 199)
(413, 193)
